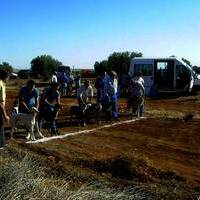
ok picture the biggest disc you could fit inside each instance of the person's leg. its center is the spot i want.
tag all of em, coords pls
(82, 114)
(2, 136)
(142, 108)
(53, 127)
(115, 107)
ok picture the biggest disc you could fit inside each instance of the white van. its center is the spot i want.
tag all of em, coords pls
(165, 74)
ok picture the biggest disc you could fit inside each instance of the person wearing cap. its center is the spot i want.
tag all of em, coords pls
(3, 115)
(77, 81)
(28, 97)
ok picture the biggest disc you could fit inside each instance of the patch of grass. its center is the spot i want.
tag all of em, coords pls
(165, 114)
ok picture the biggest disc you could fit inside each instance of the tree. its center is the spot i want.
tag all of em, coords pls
(44, 66)
(100, 67)
(117, 61)
(196, 69)
(186, 61)
(7, 67)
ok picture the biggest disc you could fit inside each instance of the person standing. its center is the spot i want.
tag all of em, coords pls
(3, 115)
(101, 85)
(139, 78)
(77, 81)
(85, 95)
(29, 98)
(112, 91)
(50, 106)
(136, 95)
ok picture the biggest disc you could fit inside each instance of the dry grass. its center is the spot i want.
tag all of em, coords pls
(28, 179)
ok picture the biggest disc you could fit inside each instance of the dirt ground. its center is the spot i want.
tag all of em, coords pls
(167, 141)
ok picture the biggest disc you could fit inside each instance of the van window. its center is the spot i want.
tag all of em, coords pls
(146, 69)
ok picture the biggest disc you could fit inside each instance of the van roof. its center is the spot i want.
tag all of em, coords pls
(165, 58)
(158, 58)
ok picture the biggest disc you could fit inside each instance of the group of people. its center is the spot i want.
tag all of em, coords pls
(48, 102)
(108, 93)
(66, 81)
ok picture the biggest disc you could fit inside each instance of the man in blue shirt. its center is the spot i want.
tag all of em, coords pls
(28, 97)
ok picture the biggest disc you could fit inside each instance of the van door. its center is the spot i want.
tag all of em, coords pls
(184, 78)
(164, 74)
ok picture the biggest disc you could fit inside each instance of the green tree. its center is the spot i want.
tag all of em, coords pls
(100, 67)
(7, 67)
(117, 61)
(44, 66)
(196, 69)
(186, 61)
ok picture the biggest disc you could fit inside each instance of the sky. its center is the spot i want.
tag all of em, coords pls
(80, 32)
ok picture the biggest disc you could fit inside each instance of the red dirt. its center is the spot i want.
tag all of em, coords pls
(167, 144)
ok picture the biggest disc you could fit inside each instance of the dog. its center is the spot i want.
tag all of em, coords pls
(86, 113)
(26, 120)
(49, 113)
(75, 113)
(94, 112)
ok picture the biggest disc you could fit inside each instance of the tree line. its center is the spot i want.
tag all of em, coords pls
(43, 66)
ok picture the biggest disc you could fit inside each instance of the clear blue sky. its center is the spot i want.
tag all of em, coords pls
(80, 32)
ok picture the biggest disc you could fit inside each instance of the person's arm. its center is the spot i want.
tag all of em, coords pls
(143, 89)
(22, 102)
(80, 95)
(58, 99)
(90, 93)
(36, 98)
(81, 98)
(22, 99)
(3, 111)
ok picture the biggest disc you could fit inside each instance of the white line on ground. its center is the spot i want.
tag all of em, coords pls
(46, 139)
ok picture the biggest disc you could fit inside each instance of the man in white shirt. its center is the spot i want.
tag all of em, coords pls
(85, 95)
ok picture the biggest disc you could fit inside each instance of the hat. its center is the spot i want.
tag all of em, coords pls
(113, 73)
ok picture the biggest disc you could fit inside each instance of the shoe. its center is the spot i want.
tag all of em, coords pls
(2, 148)
(116, 119)
(83, 124)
